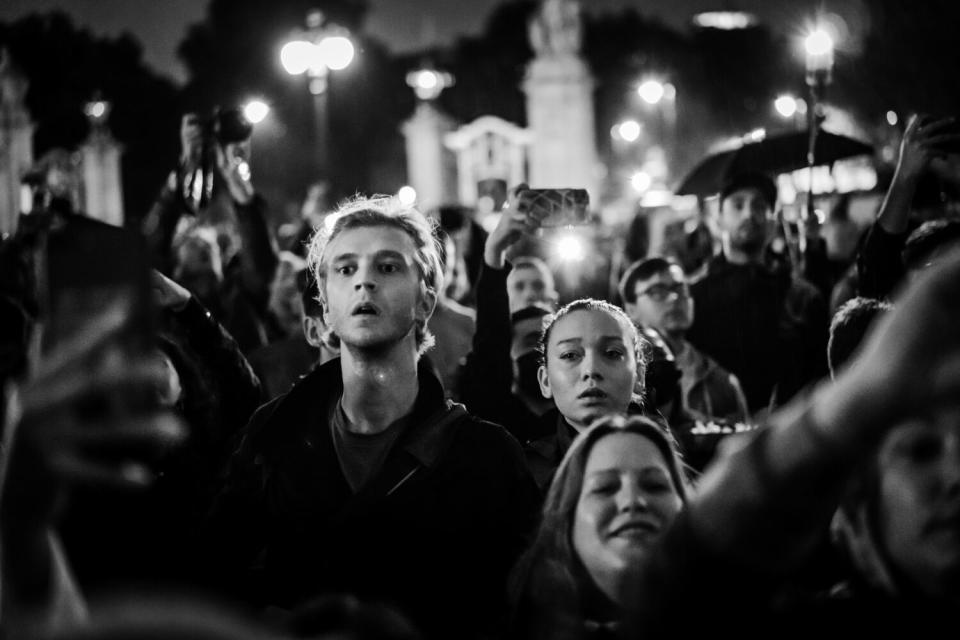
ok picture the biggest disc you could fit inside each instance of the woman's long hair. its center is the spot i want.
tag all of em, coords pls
(549, 581)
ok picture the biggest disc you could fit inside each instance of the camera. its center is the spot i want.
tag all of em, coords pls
(195, 180)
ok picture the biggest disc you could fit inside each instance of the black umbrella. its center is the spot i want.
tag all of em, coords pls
(773, 155)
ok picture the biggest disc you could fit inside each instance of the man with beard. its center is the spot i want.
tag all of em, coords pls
(766, 326)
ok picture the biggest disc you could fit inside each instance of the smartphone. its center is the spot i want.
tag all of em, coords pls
(93, 279)
(563, 207)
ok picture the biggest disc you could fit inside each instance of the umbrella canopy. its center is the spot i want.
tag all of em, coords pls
(773, 155)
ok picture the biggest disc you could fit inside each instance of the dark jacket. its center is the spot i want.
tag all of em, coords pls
(486, 379)
(879, 262)
(766, 327)
(435, 531)
(152, 536)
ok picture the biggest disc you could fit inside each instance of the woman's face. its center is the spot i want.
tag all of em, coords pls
(919, 502)
(626, 503)
(590, 366)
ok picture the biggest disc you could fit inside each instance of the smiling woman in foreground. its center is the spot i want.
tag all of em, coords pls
(615, 493)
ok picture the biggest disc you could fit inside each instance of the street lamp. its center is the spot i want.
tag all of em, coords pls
(318, 50)
(786, 106)
(628, 131)
(819, 63)
(652, 91)
(428, 83)
(255, 111)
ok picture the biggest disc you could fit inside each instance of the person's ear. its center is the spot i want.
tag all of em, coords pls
(544, 381)
(313, 331)
(426, 304)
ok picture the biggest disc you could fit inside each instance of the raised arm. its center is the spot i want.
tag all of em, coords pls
(758, 512)
(879, 258)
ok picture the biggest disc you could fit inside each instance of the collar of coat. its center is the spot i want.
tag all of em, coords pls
(425, 438)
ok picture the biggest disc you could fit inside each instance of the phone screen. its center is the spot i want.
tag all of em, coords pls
(563, 207)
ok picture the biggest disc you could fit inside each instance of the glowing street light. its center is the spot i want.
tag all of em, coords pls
(296, 56)
(97, 110)
(786, 105)
(255, 111)
(407, 196)
(725, 20)
(629, 130)
(641, 181)
(569, 248)
(428, 83)
(316, 51)
(819, 48)
(336, 52)
(892, 118)
(652, 91)
(321, 48)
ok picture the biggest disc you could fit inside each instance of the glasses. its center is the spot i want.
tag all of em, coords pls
(661, 292)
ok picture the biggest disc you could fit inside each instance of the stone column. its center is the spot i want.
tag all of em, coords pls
(16, 142)
(102, 187)
(560, 114)
(430, 166)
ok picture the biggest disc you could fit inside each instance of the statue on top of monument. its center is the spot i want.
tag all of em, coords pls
(555, 29)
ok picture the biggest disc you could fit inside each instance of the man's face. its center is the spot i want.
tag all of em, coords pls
(663, 302)
(919, 501)
(745, 219)
(373, 288)
(528, 286)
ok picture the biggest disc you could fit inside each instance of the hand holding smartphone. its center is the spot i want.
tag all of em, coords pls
(557, 207)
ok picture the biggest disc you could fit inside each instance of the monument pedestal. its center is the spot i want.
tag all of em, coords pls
(560, 116)
(102, 190)
(430, 166)
(16, 143)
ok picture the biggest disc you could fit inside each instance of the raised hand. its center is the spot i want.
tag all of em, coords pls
(519, 218)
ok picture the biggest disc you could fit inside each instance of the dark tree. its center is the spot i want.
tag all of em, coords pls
(234, 53)
(67, 67)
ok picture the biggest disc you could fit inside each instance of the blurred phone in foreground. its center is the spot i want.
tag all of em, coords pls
(563, 207)
(94, 288)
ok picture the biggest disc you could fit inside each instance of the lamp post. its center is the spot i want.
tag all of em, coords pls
(428, 83)
(819, 48)
(322, 47)
(662, 96)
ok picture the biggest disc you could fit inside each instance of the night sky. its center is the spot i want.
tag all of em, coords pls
(403, 24)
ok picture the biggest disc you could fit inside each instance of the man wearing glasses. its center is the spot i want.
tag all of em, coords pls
(766, 325)
(655, 294)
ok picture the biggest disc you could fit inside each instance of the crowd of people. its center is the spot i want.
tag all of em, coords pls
(393, 428)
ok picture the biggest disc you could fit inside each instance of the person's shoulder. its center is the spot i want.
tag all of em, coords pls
(265, 424)
(483, 433)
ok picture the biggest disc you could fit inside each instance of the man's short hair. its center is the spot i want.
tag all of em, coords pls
(380, 211)
(763, 183)
(309, 294)
(926, 239)
(532, 311)
(848, 328)
(533, 262)
(639, 271)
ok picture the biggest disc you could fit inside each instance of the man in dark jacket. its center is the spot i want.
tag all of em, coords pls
(363, 478)
(766, 326)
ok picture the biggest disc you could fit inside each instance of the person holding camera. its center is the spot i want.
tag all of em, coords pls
(227, 260)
